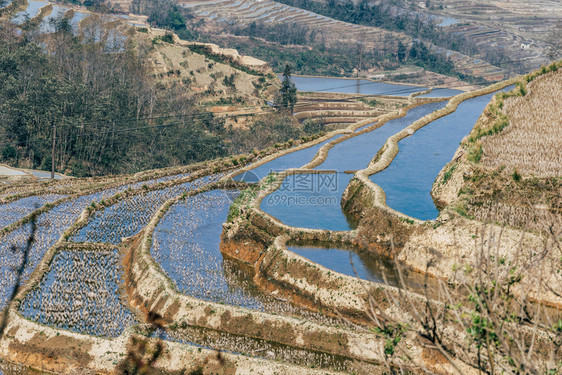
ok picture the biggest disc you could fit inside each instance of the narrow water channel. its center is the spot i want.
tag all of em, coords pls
(361, 264)
(408, 180)
(357, 152)
(295, 159)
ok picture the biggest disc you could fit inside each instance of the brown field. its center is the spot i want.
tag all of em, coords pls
(531, 144)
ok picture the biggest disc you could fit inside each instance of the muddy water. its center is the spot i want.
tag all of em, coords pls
(361, 264)
(357, 152)
(294, 159)
(408, 180)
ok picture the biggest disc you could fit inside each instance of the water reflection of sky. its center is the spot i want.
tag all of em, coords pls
(408, 180)
(32, 10)
(353, 86)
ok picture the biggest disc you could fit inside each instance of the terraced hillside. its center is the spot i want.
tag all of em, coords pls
(314, 256)
(334, 31)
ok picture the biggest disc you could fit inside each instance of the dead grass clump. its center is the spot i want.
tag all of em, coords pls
(531, 142)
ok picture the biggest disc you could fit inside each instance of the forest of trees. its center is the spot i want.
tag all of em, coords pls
(109, 113)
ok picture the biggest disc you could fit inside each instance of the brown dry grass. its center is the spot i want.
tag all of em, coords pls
(531, 144)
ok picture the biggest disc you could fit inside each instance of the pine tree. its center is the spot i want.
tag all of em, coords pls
(288, 91)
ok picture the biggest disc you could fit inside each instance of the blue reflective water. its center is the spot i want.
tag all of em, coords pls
(186, 245)
(48, 24)
(310, 201)
(357, 152)
(362, 265)
(447, 22)
(75, 21)
(291, 160)
(14, 211)
(50, 227)
(32, 10)
(441, 93)
(353, 86)
(130, 215)
(81, 293)
(408, 180)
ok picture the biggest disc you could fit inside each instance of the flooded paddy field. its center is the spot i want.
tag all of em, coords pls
(363, 264)
(81, 293)
(313, 200)
(14, 211)
(49, 228)
(186, 245)
(353, 86)
(32, 10)
(130, 215)
(290, 160)
(357, 152)
(310, 200)
(408, 180)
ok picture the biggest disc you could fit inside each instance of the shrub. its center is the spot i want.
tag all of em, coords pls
(516, 176)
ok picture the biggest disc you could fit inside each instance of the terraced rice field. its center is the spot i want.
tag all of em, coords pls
(50, 227)
(32, 10)
(290, 160)
(130, 215)
(408, 180)
(356, 153)
(310, 200)
(268, 11)
(81, 293)
(46, 26)
(520, 147)
(186, 245)
(14, 211)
